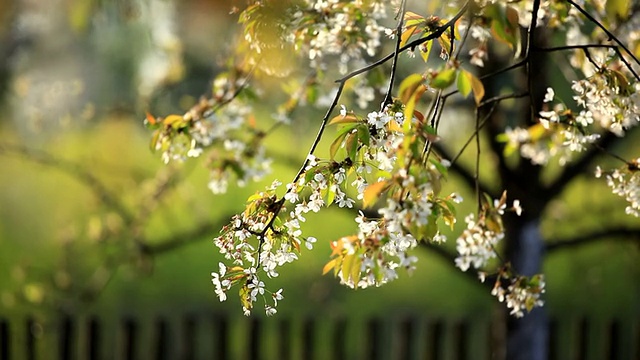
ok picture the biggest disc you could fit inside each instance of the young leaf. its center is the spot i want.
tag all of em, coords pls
(464, 83)
(425, 49)
(330, 265)
(347, 264)
(408, 86)
(617, 9)
(444, 78)
(363, 135)
(410, 106)
(351, 144)
(245, 296)
(477, 87)
(335, 145)
(355, 269)
(372, 192)
(150, 119)
(173, 120)
(339, 119)
(330, 196)
(504, 24)
(154, 140)
(410, 31)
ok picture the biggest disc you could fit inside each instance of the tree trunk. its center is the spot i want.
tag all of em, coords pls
(527, 337)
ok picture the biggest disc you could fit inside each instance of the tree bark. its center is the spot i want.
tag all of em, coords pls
(527, 337)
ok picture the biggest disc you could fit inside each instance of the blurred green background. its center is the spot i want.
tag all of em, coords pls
(76, 77)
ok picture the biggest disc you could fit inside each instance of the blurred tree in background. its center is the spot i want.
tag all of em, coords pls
(87, 209)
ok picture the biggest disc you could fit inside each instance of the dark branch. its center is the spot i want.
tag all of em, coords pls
(189, 237)
(74, 170)
(396, 52)
(621, 234)
(573, 47)
(579, 166)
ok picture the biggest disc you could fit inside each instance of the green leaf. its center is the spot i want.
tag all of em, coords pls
(477, 87)
(174, 121)
(363, 135)
(504, 24)
(444, 78)
(425, 49)
(445, 44)
(154, 140)
(330, 195)
(245, 296)
(408, 86)
(617, 9)
(441, 168)
(464, 83)
(408, 33)
(347, 119)
(335, 145)
(352, 145)
(347, 264)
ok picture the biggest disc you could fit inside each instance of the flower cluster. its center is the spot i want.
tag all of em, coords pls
(476, 248)
(268, 235)
(606, 99)
(522, 292)
(220, 124)
(388, 165)
(348, 30)
(477, 244)
(262, 238)
(626, 183)
(610, 100)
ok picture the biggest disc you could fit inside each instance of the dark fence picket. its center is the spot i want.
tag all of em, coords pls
(5, 340)
(129, 339)
(339, 343)
(407, 338)
(553, 339)
(435, 340)
(461, 336)
(372, 343)
(189, 338)
(284, 339)
(31, 329)
(94, 344)
(66, 340)
(583, 338)
(308, 339)
(221, 341)
(614, 340)
(255, 332)
(161, 343)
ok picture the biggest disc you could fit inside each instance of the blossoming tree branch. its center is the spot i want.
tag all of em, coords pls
(386, 158)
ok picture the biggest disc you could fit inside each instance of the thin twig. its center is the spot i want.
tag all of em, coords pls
(412, 45)
(396, 52)
(611, 37)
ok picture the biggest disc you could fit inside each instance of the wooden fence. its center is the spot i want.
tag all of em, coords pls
(220, 337)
